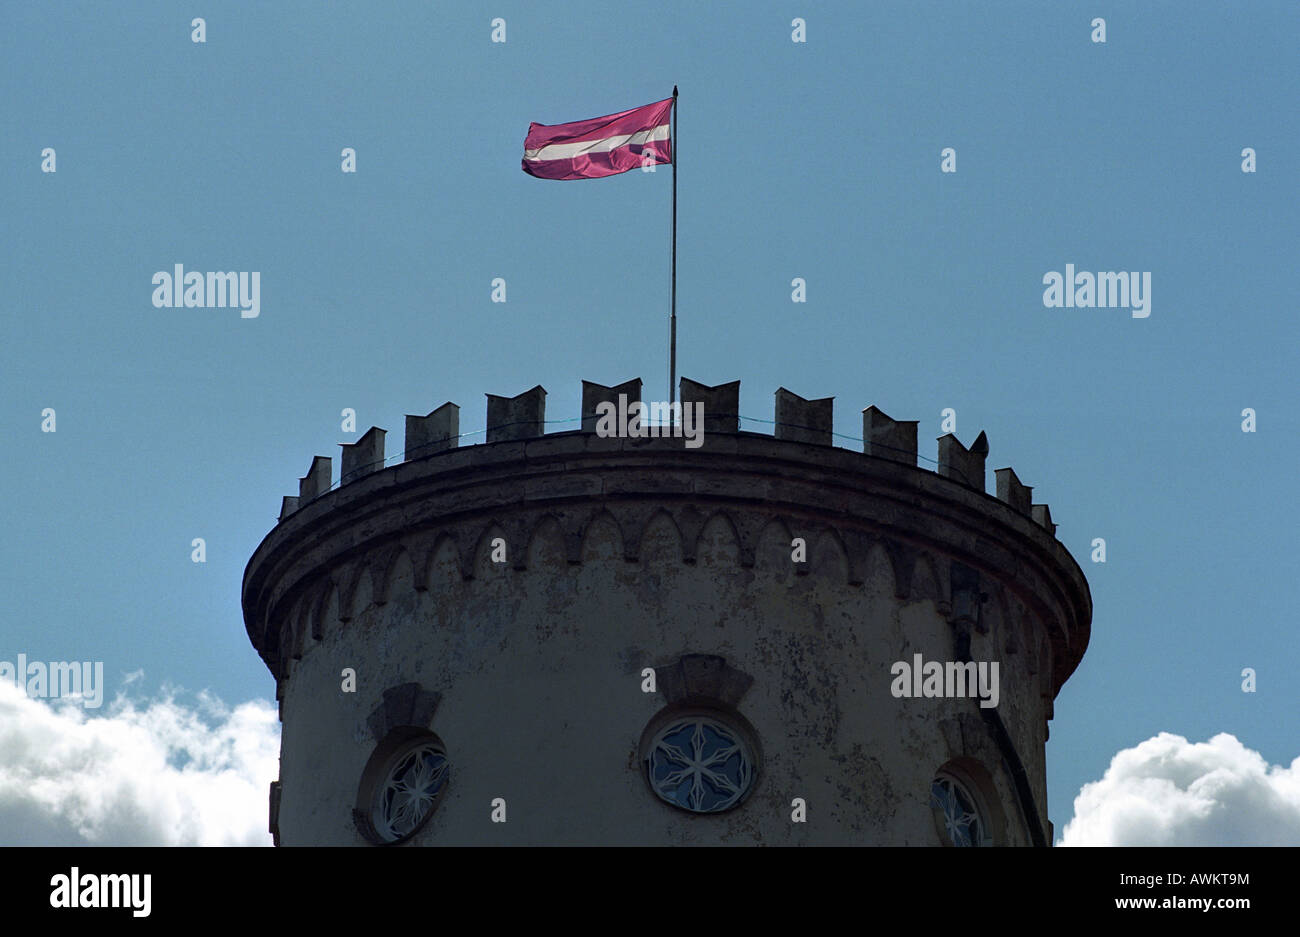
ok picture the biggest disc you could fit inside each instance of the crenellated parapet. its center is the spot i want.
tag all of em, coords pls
(795, 419)
(443, 505)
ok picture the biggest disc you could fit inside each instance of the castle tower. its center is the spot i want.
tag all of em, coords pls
(567, 637)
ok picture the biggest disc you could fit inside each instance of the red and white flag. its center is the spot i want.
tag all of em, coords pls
(601, 146)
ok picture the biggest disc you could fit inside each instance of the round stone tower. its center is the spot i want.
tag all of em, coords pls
(614, 635)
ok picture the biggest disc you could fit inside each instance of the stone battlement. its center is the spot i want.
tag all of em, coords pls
(546, 495)
(796, 419)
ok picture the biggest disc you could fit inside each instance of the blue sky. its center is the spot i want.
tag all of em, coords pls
(817, 160)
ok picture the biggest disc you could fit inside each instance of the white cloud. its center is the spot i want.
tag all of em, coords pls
(1171, 792)
(150, 773)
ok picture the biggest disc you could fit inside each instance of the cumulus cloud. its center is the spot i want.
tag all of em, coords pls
(148, 773)
(1167, 791)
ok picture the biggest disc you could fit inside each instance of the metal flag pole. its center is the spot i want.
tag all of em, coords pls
(672, 326)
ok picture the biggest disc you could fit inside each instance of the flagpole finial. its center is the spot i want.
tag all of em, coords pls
(674, 91)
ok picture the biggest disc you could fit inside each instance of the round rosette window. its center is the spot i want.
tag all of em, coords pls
(957, 812)
(701, 763)
(402, 787)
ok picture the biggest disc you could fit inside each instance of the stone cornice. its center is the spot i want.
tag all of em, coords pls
(751, 478)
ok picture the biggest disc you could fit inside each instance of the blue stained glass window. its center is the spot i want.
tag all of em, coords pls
(410, 791)
(961, 817)
(700, 764)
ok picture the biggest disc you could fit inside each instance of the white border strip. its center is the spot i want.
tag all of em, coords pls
(570, 150)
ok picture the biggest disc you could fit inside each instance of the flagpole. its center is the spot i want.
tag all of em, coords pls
(672, 327)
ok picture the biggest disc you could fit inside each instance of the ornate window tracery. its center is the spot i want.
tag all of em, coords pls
(699, 763)
(958, 811)
(410, 790)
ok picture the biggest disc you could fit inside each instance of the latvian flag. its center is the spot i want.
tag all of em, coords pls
(601, 146)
